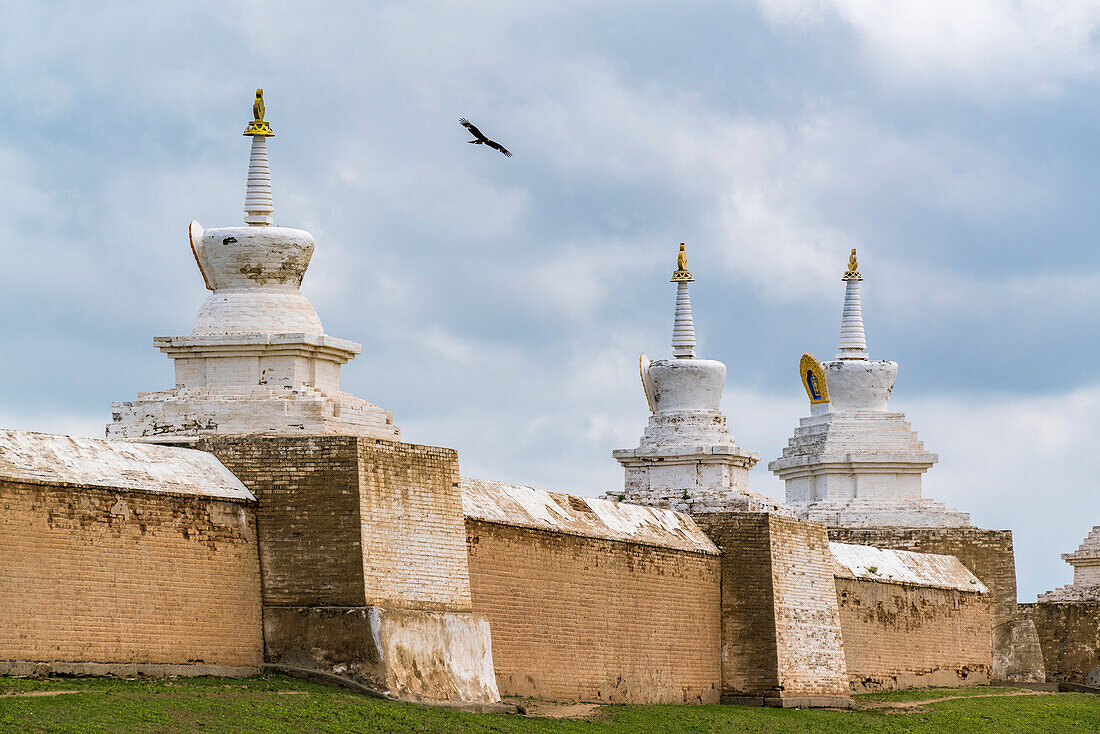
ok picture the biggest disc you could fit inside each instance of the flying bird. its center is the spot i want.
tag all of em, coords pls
(481, 139)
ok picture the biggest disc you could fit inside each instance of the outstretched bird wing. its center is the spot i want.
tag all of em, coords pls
(497, 146)
(473, 130)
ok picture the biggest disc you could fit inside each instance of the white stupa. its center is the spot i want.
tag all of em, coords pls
(258, 360)
(1086, 573)
(851, 462)
(687, 460)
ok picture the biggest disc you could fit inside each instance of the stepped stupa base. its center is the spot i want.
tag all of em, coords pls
(166, 415)
(1072, 593)
(711, 499)
(882, 513)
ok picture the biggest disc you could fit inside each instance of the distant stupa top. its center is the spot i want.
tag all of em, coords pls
(683, 330)
(853, 342)
(259, 206)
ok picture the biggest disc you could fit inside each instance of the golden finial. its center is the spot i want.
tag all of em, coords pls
(682, 272)
(258, 126)
(853, 268)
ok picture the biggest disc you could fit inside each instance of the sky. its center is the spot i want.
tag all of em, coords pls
(502, 302)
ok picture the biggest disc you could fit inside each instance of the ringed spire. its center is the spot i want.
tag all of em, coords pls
(683, 329)
(259, 206)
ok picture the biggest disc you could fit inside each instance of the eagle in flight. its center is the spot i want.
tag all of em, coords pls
(480, 138)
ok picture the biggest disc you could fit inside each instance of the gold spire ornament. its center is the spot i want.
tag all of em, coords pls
(682, 273)
(813, 379)
(853, 268)
(258, 126)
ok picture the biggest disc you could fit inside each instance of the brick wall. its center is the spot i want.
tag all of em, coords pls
(781, 640)
(363, 556)
(307, 514)
(347, 521)
(412, 525)
(579, 618)
(808, 632)
(749, 657)
(989, 556)
(987, 553)
(1069, 634)
(91, 575)
(904, 636)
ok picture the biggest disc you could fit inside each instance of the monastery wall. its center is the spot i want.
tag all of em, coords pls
(988, 554)
(590, 600)
(156, 574)
(1069, 634)
(349, 521)
(781, 634)
(362, 545)
(911, 619)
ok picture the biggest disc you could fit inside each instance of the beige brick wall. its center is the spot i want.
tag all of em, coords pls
(988, 554)
(780, 625)
(1069, 633)
(903, 636)
(414, 539)
(587, 619)
(348, 521)
(809, 645)
(99, 576)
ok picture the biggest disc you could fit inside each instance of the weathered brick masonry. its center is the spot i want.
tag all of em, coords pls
(97, 580)
(364, 561)
(781, 635)
(905, 636)
(349, 521)
(989, 555)
(584, 618)
(1069, 633)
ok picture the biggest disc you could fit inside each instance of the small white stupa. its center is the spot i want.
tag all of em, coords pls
(1086, 573)
(687, 460)
(852, 463)
(258, 360)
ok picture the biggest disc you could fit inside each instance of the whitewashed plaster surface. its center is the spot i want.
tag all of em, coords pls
(258, 360)
(509, 504)
(851, 462)
(435, 656)
(903, 567)
(52, 459)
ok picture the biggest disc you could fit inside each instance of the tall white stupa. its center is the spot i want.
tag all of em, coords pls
(851, 462)
(258, 360)
(686, 459)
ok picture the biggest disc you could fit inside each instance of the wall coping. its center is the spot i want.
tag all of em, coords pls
(587, 517)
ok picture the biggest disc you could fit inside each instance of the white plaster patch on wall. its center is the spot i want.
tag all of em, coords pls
(508, 504)
(903, 567)
(44, 457)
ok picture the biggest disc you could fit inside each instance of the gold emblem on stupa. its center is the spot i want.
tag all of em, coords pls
(258, 126)
(813, 378)
(853, 268)
(682, 272)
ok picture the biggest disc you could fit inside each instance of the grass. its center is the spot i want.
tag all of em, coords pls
(279, 704)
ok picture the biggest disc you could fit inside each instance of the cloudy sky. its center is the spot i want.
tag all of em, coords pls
(502, 303)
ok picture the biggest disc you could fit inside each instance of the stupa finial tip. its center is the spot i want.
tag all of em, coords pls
(853, 268)
(257, 126)
(682, 273)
